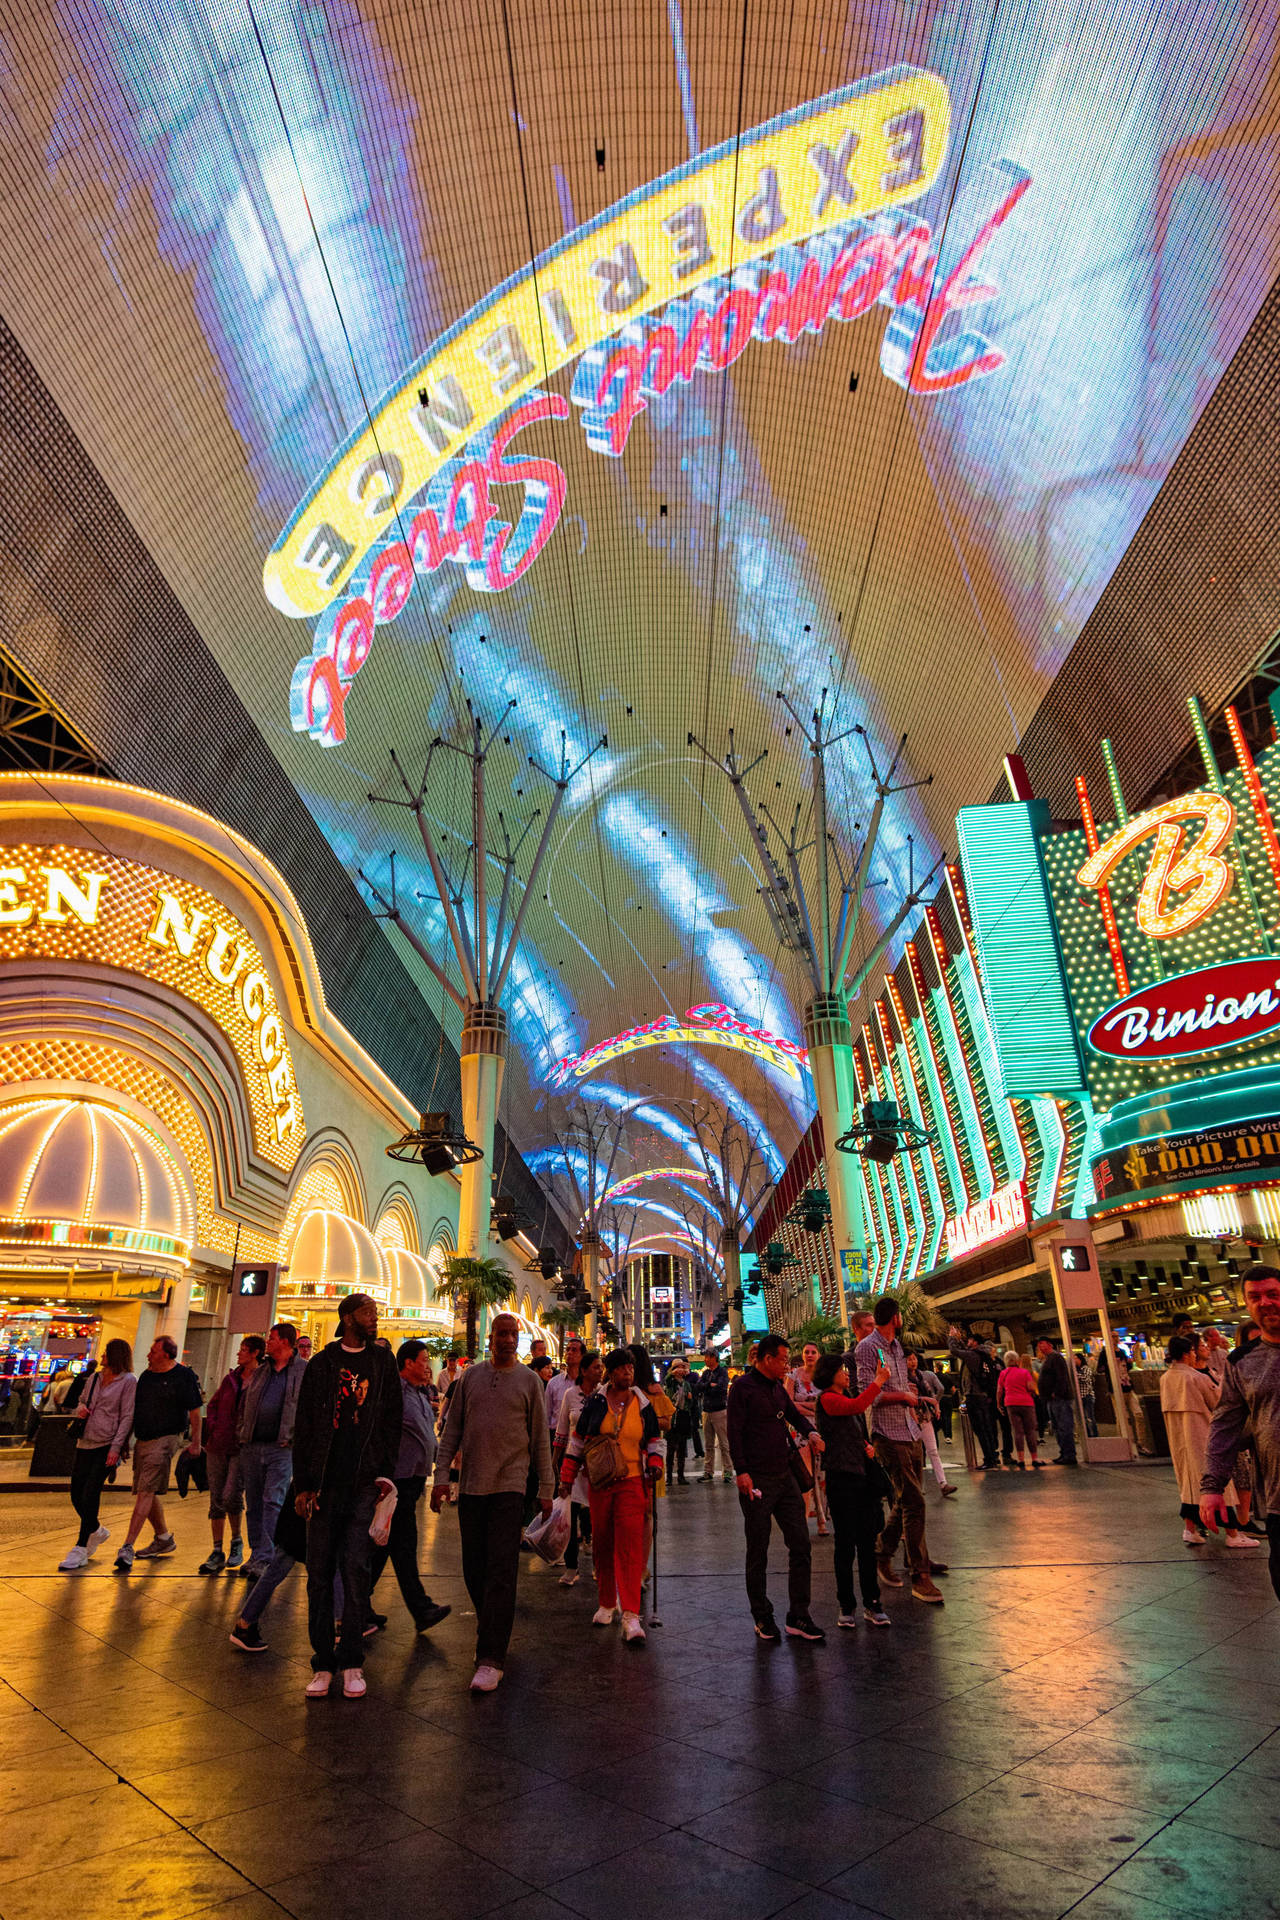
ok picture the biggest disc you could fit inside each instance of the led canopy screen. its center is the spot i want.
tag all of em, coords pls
(631, 365)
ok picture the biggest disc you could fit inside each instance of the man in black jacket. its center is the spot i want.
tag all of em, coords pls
(981, 1376)
(345, 1441)
(760, 1412)
(1055, 1385)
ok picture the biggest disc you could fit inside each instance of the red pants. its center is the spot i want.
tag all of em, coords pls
(617, 1542)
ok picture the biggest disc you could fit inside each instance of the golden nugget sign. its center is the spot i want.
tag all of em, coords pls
(764, 238)
(152, 923)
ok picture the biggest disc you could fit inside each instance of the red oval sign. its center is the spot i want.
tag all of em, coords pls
(1196, 1012)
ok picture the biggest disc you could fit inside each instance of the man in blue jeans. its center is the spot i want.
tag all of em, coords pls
(264, 1429)
(1055, 1388)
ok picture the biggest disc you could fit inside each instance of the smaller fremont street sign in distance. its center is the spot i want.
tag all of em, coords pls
(1194, 1013)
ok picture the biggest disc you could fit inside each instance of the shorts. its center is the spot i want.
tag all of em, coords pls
(151, 1462)
(226, 1497)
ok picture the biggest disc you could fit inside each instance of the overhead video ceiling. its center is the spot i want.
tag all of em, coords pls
(635, 364)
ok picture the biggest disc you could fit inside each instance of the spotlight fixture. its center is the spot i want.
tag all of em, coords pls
(438, 1143)
(883, 1132)
(812, 1210)
(505, 1223)
(776, 1257)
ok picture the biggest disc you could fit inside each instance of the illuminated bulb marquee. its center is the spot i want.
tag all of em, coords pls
(1200, 872)
(708, 1025)
(64, 904)
(767, 237)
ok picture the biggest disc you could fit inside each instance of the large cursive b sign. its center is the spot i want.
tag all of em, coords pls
(1194, 1013)
(767, 238)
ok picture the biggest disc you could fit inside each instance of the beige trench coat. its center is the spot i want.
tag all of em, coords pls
(1187, 1400)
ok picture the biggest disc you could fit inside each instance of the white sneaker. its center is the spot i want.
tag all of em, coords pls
(485, 1679)
(318, 1685)
(76, 1558)
(847, 1620)
(1190, 1538)
(98, 1539)
(569, 1578)
(604, 1616)
(353, 1685)
(1241, 1540)
(632, 1631)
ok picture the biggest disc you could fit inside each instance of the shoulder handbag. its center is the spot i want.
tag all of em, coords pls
(795, 1460)
(605, 1461)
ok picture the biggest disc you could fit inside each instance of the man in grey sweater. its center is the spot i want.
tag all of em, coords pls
(1250, 1404)
(498, 1424)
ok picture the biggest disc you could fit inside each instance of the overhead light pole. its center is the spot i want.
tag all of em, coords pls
(588, 1149)
(820, 927)
(484, 945)
(738, 1178)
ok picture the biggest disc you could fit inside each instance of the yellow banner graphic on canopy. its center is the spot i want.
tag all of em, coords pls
(847, 156)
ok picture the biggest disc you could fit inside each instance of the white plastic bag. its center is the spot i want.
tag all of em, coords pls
(548, 1534)
(380, 1525)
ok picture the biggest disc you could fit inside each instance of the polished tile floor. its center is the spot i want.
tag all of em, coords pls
(1090, 1726)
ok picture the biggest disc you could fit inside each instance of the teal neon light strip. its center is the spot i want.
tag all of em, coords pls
(967, 1191)
(938, 1104)
(896, 1243)
(911, 1185)
(970, 1117)
(1017, 948)
(1006, 1126)
(1053, 1138)
(934, 1208)
(871, 1184)
(869, 1213)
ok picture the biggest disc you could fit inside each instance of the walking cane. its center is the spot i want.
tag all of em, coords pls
(654, 1621)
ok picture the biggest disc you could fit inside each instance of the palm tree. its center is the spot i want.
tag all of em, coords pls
(564, 1320)
(474, 1284)
(922, 1324)
(824, 1330)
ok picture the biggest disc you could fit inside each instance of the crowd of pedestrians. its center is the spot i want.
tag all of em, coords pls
(323, 1461)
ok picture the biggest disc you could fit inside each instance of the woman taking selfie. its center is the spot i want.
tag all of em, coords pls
(853, 1490)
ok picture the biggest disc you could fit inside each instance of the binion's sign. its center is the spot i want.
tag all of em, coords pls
(1001, 1213)
(800, 222)
(1194, 1013)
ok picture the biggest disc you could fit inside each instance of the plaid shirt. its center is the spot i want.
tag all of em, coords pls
(891, 1422)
